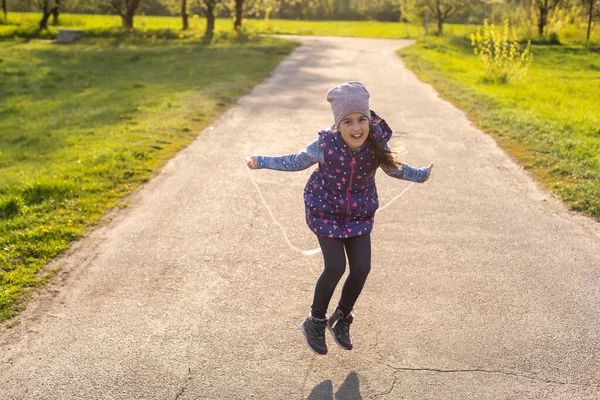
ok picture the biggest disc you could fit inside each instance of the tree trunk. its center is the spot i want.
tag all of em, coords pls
(299, 13)
(239, 4)
(543, 20)
(44, 21)
(128, 20)
(55, 13)
(440, 21)
(184, 15)
(4, 9)
(589, 30)
(210, 19)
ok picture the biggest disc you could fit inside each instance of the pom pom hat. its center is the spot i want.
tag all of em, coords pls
(348, 98)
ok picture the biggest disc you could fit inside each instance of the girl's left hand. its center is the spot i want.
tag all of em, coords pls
(428, 169)
(251, 162)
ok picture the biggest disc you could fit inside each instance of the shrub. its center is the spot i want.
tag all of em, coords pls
(500, 53)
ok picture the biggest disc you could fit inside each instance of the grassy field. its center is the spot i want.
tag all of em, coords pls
(549, 122)
(83, 125)
(25, 25)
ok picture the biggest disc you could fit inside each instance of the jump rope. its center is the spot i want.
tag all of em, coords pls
(317, 250)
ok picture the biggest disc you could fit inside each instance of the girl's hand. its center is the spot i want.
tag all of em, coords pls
(428, 169)
(251, 162)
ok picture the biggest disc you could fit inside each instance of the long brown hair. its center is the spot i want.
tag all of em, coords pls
(383, 157)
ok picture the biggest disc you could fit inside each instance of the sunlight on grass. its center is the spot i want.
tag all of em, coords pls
(549, 121)
(83, 125)
(25, 25)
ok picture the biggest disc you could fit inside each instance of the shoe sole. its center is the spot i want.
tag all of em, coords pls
(330, 329)
(306, 340)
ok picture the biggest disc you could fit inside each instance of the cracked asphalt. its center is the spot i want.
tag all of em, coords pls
(482, 286)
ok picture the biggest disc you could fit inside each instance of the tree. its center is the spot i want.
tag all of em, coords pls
(184, 15)
(444, 9)
(544, 7)
(239, 7)
(56, 13)
(590, 19)
(4, 9)
(47, 10)
(209, 12)
(413, 10)
(441, 10)
(126, 9)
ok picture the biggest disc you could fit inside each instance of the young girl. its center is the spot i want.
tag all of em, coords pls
(341, 200)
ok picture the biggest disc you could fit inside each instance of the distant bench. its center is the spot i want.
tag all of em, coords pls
(69, 35)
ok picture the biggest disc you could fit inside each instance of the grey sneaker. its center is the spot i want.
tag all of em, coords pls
(340, 329)
(314, 333)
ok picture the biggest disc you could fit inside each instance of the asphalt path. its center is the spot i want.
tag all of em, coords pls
(482, 286)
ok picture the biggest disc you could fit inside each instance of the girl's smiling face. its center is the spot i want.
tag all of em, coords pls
(354, 130)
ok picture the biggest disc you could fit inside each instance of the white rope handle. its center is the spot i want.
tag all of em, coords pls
(317, 250)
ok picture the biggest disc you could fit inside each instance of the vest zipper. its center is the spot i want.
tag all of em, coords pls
(352, 163)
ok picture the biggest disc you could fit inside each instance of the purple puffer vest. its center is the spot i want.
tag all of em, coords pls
(340, 196)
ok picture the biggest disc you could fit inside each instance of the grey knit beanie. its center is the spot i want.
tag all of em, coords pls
(348, 98)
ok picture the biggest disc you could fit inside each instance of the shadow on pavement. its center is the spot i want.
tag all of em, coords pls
(349, 390)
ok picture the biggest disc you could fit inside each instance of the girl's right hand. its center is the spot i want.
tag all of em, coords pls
(428, 169)
(251, 162)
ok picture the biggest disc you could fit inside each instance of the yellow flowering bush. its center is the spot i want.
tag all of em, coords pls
(500, 53)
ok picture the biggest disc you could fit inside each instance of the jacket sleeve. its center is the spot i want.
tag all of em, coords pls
(293, 162)
(406, 172)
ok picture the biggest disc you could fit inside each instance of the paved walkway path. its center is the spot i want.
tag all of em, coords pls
(482, 287)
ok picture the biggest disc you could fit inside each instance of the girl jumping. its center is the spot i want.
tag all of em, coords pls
(340, 198)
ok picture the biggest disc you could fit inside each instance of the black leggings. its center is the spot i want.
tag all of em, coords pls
(358, 249)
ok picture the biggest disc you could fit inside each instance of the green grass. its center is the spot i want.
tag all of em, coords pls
(366, 29)
(550, 122)
(82, 125)
(25, 25)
